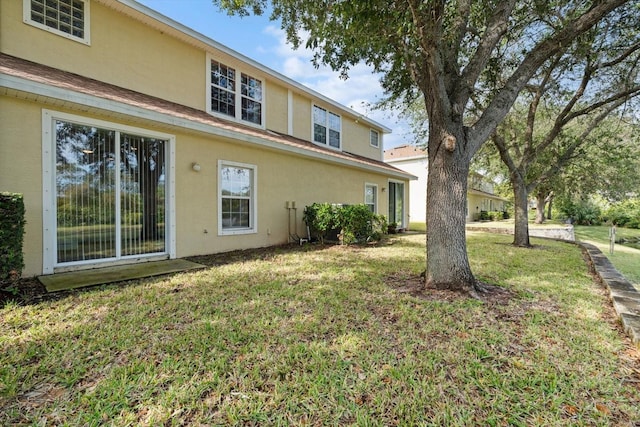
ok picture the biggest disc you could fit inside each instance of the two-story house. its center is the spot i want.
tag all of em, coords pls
(135, 138)
(414, 160)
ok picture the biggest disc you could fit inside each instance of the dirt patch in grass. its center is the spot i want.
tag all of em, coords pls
(415, 286)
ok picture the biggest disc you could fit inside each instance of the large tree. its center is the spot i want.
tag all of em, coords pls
(561, 109)
(451, 54)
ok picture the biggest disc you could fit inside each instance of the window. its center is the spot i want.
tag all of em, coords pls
(223, 89)
(396, 203)
(374, 138)
(67, 18)
(326, 127)
(236, 207)
(108, 192)
(251, 95)
(235, 97)
(371, 197)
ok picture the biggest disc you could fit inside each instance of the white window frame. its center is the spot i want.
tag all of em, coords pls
(26, 18)
(326, 125)
(253, 198)
(375, 196)
(238, 97)
(402, 222)
(49, 220)
(377, 134)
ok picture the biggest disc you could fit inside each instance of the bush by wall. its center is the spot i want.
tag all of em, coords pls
(493, 215)
(347, 223)
(11, 237)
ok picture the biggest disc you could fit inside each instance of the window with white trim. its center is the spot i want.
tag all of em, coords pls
(235, 97)
(237, 198)
(66, 18)
(327, 127)
(371, 197)
(374, 138)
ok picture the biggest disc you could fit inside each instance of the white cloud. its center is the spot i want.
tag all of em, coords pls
(359, 91)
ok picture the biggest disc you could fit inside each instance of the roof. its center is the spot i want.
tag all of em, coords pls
(67, 88)
(404, 152)
(485, 194)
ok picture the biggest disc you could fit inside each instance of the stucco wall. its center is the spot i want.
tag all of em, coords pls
(21, 170)
(130, 54)
(281, 178)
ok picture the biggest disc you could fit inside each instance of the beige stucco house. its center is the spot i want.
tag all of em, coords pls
(413, 160)
(135, 138)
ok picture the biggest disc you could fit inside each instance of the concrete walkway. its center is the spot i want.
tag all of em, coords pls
(118, 273)
(625, 297)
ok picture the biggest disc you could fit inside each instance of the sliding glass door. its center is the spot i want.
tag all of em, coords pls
(110, 194)
(396, 203)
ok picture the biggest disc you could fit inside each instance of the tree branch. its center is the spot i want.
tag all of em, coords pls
(500, 105)
(496, 28)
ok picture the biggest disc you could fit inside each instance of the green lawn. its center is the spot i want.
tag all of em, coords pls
(323, 336)
(624, 258)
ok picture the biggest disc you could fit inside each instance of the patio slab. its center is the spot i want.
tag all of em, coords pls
(103, 275)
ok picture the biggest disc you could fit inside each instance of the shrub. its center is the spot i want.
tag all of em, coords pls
(624, 214)
(320, 218)
(355, 223)
(581, 212)
(11, 238)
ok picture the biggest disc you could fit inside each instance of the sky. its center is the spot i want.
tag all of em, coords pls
(264, 41)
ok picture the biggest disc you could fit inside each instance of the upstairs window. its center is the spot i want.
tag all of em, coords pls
(223, 89)
(327, 127)
(251, 96)
(374, 138)
(233, 97)
(67, 18)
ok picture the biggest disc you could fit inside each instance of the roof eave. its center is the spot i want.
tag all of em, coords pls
(66, 96)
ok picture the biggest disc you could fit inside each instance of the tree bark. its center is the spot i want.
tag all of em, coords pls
(521, 217)
(447, 261)
(540, 204)
(549, 205)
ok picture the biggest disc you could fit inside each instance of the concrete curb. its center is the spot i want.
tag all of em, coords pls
(624, 296)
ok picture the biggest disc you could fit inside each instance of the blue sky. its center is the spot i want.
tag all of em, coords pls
(262, 40)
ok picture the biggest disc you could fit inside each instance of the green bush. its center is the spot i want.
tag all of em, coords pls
(581, 212)
(624, 214)
(348, 223)
(11, 237)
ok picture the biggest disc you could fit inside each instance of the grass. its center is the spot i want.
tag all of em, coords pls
(323, 336)
(624, 258)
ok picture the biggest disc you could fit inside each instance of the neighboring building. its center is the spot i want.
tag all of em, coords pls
(133, 138)
(414, 160)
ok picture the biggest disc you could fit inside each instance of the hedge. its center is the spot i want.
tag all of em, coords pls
(346, 223)
(11, 237)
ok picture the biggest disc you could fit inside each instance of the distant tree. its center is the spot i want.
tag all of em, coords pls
(559, 113)
(468, 60)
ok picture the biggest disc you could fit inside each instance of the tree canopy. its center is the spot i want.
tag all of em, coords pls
(468, 61)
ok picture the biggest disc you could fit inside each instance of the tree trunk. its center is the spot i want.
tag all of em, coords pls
(521, 220)
(447, 261)
(540, 204)
(549, 205)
